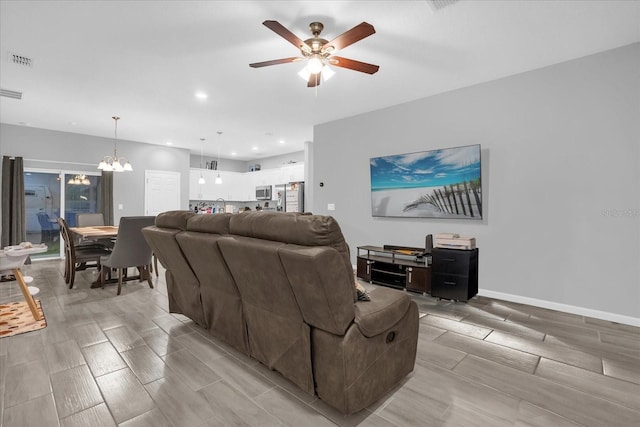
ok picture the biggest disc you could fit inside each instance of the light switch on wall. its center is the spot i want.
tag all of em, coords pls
(120, 206)
(331, 206)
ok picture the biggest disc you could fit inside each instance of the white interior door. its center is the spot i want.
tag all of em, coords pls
(161, 192)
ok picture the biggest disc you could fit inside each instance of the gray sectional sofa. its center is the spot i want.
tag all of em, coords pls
(280, 288)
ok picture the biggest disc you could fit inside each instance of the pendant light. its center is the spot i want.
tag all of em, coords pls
(201, 180)
(218, 179)
(114, 163)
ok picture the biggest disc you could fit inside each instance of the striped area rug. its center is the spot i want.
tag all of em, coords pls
(16, 318)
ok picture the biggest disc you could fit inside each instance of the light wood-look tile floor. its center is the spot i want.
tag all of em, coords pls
(106, 360)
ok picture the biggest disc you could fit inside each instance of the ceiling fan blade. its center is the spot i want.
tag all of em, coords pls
(279, 29)
(314, 80)
(355, 34)
(274, 62)
(352, 64)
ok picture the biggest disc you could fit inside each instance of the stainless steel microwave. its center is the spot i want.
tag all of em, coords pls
(263, 192)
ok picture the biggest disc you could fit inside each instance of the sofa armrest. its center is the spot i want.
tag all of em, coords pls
(386, 308)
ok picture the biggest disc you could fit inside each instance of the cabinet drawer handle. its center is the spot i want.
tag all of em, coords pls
(449, 259)
(450, 283)
(409, 277)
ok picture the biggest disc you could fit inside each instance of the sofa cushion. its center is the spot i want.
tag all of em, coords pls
(184, 288)
(295, 228)
(218, 223)
(321, 286)
(174, 219)
(278, 336)
(386, 307)
(221, 302)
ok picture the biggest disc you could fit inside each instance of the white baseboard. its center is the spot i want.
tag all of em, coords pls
(581, 311)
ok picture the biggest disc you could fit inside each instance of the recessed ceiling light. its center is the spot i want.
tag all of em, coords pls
(281, 141)
(201, 95)
(169, 143)
(254, 148)
(233, 153)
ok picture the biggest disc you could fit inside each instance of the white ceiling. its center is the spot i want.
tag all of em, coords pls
(145, 60)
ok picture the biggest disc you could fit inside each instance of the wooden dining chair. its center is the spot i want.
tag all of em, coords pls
(131, 250)
(78, 254)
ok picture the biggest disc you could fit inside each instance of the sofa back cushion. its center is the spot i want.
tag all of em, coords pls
(218, 223)
(320, 286)
(297, 229)
(278, 336)
(221, 302)
(182, 284)
(174, 219)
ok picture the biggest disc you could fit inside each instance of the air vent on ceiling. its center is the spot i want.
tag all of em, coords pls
(11, 93)
(436, 5)
(18, 59)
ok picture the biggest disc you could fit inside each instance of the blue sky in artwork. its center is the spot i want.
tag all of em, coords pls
(433, 168)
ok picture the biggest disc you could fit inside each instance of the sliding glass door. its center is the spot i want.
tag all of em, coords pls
(48, 193)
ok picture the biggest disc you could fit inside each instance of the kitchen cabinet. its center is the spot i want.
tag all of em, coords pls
(231, 188)
(240, 186)
(201, 191)
(291, 173)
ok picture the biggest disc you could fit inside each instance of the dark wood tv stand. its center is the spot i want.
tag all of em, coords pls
(393, 268)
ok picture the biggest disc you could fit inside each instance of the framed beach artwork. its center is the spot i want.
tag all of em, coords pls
(442, 183)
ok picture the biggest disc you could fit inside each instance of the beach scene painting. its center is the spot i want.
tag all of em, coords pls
(442, 183)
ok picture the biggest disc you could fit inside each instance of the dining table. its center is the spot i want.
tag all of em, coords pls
(99, 232)
(95, 232)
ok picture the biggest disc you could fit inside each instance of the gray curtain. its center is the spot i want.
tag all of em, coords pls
(14, 221)
(105, 197)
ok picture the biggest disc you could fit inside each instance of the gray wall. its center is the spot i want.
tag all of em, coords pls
(561, 180)
(81, 153)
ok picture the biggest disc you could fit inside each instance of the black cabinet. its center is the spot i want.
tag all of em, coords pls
(455, 273)
(387, 267)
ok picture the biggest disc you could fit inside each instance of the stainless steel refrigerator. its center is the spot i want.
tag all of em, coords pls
(290, 197)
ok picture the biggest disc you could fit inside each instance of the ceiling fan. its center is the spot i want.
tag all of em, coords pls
(318, 51)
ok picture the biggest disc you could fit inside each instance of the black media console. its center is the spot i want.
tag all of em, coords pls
(453, 273)
(395, 266)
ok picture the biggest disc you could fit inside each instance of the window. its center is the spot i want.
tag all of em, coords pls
(48, 193)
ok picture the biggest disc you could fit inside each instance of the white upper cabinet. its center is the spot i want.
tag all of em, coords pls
(240, 186)
(291, 173)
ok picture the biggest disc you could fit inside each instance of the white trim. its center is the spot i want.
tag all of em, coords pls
(581, 311)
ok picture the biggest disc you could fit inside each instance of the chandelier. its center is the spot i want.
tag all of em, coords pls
(114, 163)
(79, 180)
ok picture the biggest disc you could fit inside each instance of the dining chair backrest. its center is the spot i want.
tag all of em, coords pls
(64, 231)
(69, 244)
(131, 248)
(89, 219)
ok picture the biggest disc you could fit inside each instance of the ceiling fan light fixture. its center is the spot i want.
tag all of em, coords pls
(327, 73)
(304, 74)
(315, 64)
